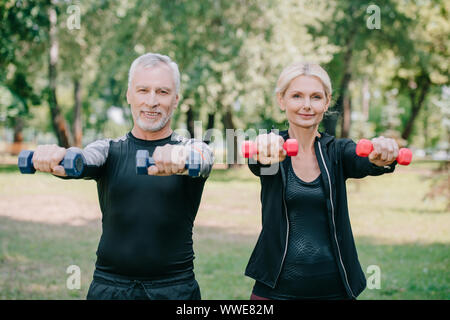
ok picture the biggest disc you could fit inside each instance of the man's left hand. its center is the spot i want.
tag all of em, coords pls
(169, 159)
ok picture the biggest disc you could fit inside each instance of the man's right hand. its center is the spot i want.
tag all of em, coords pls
(46, 158)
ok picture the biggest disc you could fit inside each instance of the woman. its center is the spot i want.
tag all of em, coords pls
(306, 248)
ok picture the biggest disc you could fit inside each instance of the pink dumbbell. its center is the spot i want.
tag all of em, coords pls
(364, 147)
(249, 148)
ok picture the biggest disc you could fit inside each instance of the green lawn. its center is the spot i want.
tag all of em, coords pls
(48, 224)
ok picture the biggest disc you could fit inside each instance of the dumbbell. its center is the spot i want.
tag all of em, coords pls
(249, 148)
(73, 163)
(364, 147)
(143, 161)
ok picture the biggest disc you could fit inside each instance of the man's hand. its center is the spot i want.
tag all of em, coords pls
(169, 159)
(385, 151)
(270, 148)
(46, 158)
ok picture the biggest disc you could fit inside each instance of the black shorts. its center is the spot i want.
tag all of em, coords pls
(107, 286)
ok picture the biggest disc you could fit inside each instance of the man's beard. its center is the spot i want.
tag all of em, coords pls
(154, 126)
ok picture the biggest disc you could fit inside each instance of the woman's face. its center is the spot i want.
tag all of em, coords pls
(304, 101)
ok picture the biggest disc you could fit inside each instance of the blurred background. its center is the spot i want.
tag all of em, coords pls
(63, 80)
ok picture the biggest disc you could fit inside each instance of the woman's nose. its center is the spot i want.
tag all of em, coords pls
(307, 104)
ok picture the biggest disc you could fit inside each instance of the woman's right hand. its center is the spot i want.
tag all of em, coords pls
(270, 148)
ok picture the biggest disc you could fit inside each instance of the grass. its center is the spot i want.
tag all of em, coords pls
(48, 224)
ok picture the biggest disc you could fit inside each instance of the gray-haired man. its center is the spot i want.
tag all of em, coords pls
(145, 251)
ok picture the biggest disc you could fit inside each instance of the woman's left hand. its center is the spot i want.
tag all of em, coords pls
(385, 151)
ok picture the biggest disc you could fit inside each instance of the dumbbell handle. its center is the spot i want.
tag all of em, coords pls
(73, 163)
(364, 147)
(151, 162)
(249, 148)
(143, 161)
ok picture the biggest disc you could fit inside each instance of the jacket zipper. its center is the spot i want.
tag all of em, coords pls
(334, 224)
(287, 224)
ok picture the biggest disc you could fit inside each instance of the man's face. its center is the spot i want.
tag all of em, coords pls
(152, 97)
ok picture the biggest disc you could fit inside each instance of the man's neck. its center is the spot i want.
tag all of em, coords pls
(151, 135)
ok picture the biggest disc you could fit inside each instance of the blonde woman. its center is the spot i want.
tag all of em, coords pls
(306, 248)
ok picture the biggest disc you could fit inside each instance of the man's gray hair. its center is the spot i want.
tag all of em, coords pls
(151, 59)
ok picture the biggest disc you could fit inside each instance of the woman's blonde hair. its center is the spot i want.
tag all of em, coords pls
(303, 69)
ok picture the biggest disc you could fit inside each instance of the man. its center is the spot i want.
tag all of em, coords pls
(145, 251)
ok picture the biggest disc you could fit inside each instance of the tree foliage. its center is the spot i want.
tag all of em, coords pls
(230, 54)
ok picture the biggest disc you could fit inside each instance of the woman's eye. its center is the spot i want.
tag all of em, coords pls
(296, 96)
(317, 97)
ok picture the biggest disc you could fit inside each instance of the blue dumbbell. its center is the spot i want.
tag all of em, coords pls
(73, 163)
(143, 161)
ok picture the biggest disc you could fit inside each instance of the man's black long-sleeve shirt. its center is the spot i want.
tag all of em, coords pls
(147, 221)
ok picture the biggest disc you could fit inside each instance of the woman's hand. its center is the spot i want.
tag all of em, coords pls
(270, 148)
(385, 151)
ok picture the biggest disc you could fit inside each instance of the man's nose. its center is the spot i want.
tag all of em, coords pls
(151, 99)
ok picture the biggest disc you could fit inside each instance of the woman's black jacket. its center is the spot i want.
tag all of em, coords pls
(337, 161)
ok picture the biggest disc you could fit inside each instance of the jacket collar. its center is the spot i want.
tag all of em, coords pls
(324, 139)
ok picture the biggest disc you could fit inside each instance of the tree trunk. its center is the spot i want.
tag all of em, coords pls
(58, 121)
(417, 97)
(365, 99)
(346, 117)
(426, 136)
(77, 124)
(231, 144)
(331, 120)
(209, 125)
(211, 121)
(190, 121)
(18, 136)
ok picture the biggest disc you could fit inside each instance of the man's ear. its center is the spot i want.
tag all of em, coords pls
(280, 102)
(128, 95)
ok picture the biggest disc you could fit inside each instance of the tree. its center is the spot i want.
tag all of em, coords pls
(426, 66)
(351, 31)
(21, 41)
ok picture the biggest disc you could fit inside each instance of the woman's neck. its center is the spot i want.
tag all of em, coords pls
(305, 138)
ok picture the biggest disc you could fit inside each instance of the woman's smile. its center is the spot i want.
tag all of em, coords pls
(306, 115)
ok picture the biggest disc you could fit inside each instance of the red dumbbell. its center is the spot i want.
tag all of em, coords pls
(249, 148)
(364, 147)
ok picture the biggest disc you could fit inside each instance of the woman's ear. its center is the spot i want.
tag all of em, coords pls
(327, 105)
(280, 101)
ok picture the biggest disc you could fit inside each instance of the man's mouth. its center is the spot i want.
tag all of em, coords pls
(150, 114)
